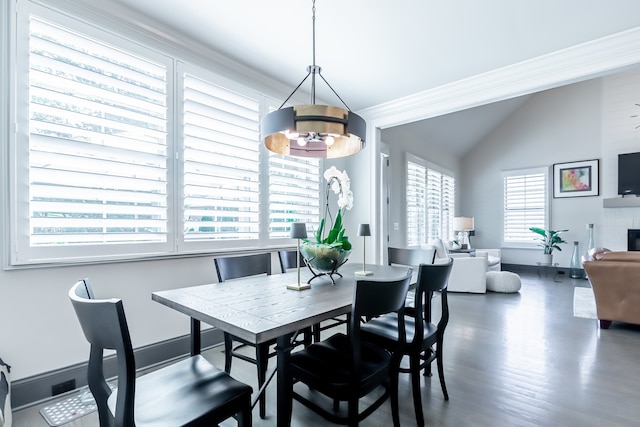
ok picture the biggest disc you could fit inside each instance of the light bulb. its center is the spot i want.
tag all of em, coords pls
(291, 135)
(302, 142)
(329, 140)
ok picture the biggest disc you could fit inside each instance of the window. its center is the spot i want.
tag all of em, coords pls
(294, 188)
(430, 203)
(525, 204)
(122, 151)
(221, 163)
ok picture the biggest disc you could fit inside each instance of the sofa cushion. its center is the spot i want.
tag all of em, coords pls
(633, 256)
(438, 245)
(492, 260)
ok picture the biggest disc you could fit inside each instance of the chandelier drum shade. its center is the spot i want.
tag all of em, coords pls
(314, 130)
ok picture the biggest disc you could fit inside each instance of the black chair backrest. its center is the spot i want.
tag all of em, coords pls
(242, 266)
(431, 278)
(104, 326)
(375, 298)
(288, 260)
(410, 257)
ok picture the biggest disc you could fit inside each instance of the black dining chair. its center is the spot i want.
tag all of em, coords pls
(421, 334)
(346, 368)
(410, 257)
(288, 261)
(235, 267)
(189, 392)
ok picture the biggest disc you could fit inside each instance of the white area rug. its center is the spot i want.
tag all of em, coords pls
(584, 304)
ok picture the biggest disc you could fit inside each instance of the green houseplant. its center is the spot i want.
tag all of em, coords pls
(330, 247)
(549, 240)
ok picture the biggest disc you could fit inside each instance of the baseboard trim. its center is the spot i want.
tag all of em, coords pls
(32, 390)
(534, 269)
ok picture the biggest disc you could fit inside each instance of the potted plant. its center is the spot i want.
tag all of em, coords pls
(330, 246)
(549, 241)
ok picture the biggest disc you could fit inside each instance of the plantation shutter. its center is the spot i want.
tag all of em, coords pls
(447, 211)
(440, 205)
(525, 205)
(97, 148)
(294, 194)
(416, 204)
(221, 163)
(430, 204)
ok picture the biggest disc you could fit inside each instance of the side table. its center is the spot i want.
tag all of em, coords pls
(545, 267)
(471, 252)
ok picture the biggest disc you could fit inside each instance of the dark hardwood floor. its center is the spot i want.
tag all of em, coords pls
(510, 360)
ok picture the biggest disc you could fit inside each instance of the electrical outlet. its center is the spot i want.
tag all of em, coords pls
(63, 387)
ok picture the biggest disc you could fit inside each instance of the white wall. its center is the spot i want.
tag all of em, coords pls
(400, 143)
(577, 122)
(621, 96)
(588, 120)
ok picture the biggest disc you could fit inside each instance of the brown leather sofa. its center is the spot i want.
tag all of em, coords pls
(615, 278)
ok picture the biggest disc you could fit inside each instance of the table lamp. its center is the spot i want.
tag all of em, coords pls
(364, 230)
(463, 225)
(298, 231)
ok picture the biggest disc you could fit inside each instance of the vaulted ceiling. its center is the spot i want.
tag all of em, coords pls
(373, 52)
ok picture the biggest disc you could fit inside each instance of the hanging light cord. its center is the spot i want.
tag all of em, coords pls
(312, 70)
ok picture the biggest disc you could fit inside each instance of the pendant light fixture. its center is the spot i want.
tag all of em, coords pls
(314, 130)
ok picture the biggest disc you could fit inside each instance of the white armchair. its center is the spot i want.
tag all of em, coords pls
(468, 273)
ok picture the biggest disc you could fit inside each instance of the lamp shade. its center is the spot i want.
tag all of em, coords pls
(298, 230)
(364, 230)
(463, 223)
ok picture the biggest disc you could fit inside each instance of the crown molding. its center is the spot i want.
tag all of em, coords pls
(577, 63)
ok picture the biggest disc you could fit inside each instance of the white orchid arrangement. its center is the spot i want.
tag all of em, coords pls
(340, 184)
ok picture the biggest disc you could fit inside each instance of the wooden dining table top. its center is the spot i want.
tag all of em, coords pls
(261, 308)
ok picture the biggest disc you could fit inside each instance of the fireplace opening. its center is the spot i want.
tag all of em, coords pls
(633, 240)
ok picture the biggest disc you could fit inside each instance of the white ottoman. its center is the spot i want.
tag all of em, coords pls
(503, 281)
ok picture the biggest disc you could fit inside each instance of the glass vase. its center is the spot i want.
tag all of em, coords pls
(575, 269)
(590, 241)
(590, 245)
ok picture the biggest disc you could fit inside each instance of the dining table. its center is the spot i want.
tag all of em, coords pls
(262, 308)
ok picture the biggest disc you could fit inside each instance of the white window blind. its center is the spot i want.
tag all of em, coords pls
(416, 204)
(221, 163)
(441, 203)
(430, 204)
(124, 152)
(97, 143)
(294, 193)
(525, 204)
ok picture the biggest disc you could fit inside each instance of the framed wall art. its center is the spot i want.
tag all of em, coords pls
(576, 179)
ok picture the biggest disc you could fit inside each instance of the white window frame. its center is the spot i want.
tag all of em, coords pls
(528, 242)
(428, 166)
(18, 160)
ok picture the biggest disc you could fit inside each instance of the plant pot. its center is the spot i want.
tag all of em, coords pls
(323, 258)
(546, 259)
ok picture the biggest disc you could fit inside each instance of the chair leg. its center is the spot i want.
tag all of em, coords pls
(441, 371)
(244, 417)
(228, 352)
(427, 369)
(393, 395)
(316, 332)
(262, 359)
(414, 367)
(308, 337)
(352, 411)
